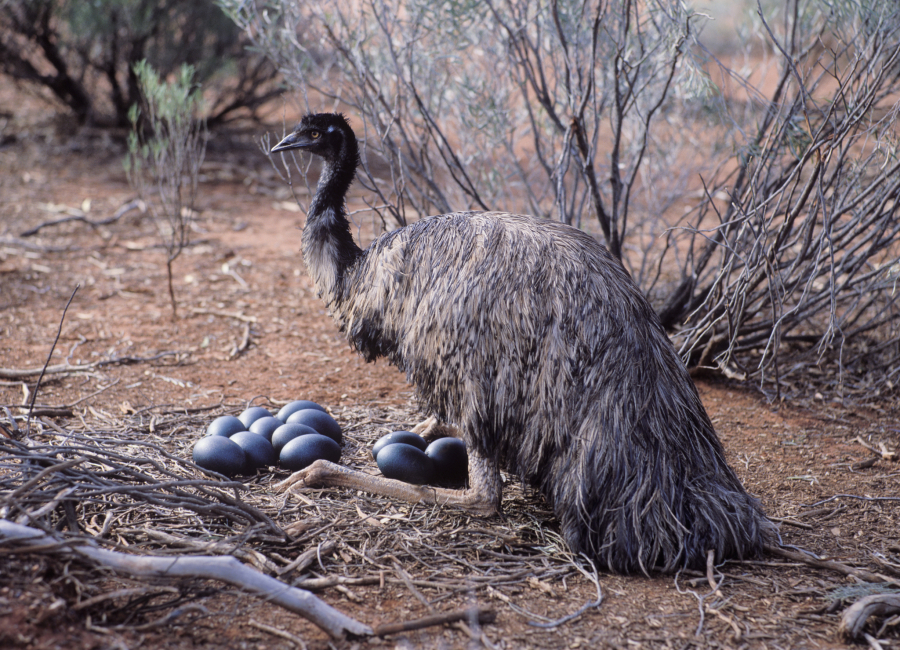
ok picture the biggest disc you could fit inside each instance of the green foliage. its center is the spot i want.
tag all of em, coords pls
(166, 147)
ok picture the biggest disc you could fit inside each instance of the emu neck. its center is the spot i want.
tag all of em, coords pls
(328, 246)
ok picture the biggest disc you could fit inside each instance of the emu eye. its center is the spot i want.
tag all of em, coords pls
(314, 135)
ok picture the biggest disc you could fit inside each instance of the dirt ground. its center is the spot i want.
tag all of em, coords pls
(250, 328)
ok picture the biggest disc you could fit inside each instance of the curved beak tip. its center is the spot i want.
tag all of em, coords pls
(286, 143)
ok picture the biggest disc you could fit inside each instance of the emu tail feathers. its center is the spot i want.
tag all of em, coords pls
(653, 513)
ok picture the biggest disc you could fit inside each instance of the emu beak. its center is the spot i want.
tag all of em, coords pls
(290, 141)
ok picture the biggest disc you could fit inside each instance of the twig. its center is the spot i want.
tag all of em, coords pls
(701, 603)
(243, 345)
(68, 407)
(284, 634)
(80, 216)
(223, 569)
(307, 557)
(862, 574)
(42, 474)
(850, 496)
(224, 314)
(853, 620)
(317, 584)
(882, 453)
(829, 513)
(124, 593)
(168, 618)
(482, 615)
(863, 464)
(407, 580)
(21, 373)
(791, 522)
(37, 386)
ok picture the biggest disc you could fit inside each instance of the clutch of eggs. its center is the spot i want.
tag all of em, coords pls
(407, 457)
(301, 433)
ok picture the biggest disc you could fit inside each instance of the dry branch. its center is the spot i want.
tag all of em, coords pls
(24, 373)
(79, 215)
(240, 348)
(224, 569)
(480, 614)
(831, 565)
(224, 314)
(854, 619)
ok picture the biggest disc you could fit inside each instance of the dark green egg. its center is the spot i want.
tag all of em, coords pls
(252, 414)
(225, 426)
(287, 432)
(451, 461)
(266, 426)
(298, 405)
(304, 450)
(320, 421)
(402, 437)
(258, 452)
(406, 463)
(219, 454)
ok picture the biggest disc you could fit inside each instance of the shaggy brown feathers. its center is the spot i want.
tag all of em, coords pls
(531, 339)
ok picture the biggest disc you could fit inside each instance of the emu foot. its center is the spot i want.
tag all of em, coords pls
(322, 473)
(431, 429)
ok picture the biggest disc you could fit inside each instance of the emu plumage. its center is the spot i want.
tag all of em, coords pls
(532, 340)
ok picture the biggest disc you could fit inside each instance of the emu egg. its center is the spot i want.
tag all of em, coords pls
(405, 463)
(287, 432)
(451, 462)
(265, 426)
(304, 450)
(318, 420)
(298, 405)
(402, 437)
(219, 454)
(225, 426)
(252, 414)
(258, 452)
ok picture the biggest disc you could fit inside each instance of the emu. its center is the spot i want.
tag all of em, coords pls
(530, 339)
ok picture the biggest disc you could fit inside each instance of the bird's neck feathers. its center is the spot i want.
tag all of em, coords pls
(328, 246)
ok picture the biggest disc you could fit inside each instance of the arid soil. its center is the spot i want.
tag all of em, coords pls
(250, 328)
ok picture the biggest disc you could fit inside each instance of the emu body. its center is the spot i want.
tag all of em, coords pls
(533, 341)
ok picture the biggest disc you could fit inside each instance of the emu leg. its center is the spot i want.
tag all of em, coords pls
(431, 429)
(481, 498)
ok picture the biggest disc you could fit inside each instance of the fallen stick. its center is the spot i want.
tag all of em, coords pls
(224, 314)
(882, 452)
(791, 522)
(481, 614)
(243, 345)
(224, 569)
(21, 373)
(862, 574)
(853, 620)
(78, 215)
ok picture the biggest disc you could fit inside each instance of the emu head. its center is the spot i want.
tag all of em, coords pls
(323, 134)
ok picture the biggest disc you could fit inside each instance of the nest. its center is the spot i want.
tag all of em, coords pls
(130, 486)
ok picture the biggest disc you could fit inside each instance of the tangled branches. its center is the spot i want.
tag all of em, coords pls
(113, 477)
(757, 210)
(125, 498)
(795, 285)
